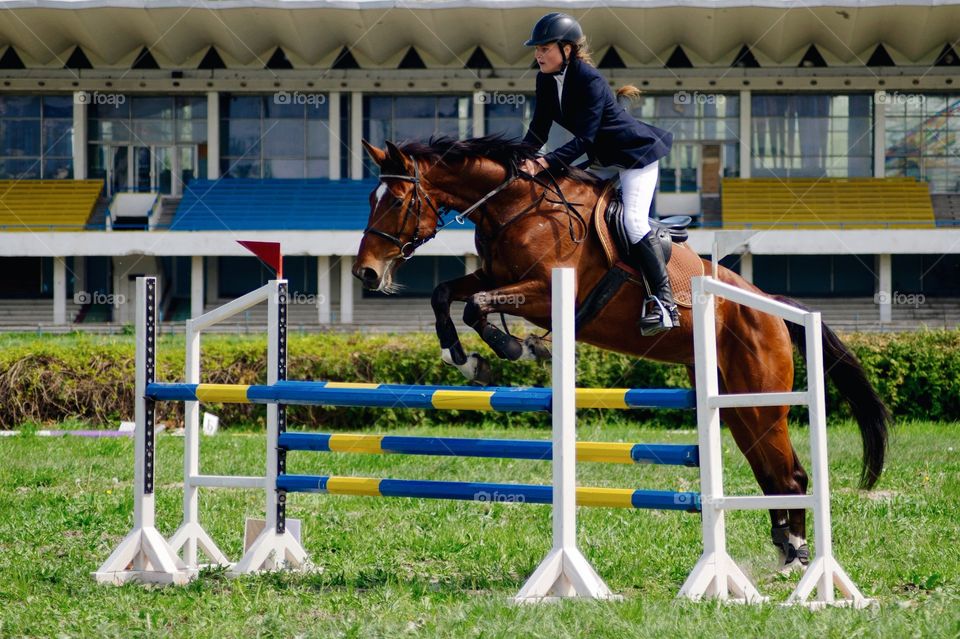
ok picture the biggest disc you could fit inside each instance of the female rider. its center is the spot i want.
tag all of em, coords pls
(571, 92)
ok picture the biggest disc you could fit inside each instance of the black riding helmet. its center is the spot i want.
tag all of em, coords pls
(554, 27)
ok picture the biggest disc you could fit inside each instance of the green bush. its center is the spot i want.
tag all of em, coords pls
(49, 379)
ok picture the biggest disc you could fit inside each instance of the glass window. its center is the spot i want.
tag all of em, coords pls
(695, 119)
(509, 116)
(318, 139)
(239, 106)
(36, 136)
(58, 106)
(58, 138)
(240, 137)
(151, 107)
(280, 135)
(190, 107)
(284, 138)
(921, 138)
(149, 132)
(102, 106)
(20, 138)
(414, 117)
(811, 135)
(20, 105)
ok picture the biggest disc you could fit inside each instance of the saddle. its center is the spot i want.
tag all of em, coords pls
(682, 264)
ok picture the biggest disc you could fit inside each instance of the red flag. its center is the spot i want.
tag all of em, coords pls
(269, 252)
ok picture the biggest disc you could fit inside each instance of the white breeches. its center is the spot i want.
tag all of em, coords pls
(638, 186)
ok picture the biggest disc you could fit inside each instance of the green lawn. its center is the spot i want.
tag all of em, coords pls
(389, 567)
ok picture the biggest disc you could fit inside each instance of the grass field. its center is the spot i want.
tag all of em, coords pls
(395, 567)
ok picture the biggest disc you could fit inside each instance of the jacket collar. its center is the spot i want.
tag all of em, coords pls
(568, 73)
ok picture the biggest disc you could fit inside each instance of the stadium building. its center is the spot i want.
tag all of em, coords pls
(145, 137)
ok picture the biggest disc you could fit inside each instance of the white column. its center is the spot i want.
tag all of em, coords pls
(879, 134)
(213, 135)
(196, 286)
(80, 135)
(59, 290)
(885, 287)
(346, 291)
(356, 135)
(336, 136)
(323, 288)
(746, 134)
(213, 279)
(746, 267)
(479, 121)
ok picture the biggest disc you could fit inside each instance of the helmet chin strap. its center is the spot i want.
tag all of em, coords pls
(563, 56)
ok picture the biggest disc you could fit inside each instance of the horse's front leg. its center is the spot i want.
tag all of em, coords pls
(529, 299)
(474, 367)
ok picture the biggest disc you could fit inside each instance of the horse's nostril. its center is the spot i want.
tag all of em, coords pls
(368, 275)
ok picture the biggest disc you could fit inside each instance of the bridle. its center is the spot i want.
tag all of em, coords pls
(420, 196)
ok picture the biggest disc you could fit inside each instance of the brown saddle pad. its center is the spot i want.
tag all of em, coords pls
(684, 264)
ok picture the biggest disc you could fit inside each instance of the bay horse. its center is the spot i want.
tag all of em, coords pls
(527, 225)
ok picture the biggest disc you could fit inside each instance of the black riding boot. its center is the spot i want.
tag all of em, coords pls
(659, 310)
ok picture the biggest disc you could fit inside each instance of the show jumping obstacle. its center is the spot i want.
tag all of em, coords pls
(144, 555)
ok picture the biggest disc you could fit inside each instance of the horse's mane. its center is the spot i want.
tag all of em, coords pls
(499, 148)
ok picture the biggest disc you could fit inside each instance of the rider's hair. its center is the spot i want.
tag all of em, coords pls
(581, 50)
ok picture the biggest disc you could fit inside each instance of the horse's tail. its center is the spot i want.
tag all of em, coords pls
(847, 373)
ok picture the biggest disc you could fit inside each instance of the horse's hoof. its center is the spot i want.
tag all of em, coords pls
(483, 373)
(794, 566)
(797, 561)
(535, 348)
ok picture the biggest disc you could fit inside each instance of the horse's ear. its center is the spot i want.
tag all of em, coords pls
(377, 155)
(395, 154)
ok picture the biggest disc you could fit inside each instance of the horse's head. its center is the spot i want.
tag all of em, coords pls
(403, 215)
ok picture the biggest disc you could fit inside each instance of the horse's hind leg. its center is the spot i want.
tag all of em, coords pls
(762, 436)
(757, 361)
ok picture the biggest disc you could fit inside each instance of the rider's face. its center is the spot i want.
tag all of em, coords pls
(549, 58)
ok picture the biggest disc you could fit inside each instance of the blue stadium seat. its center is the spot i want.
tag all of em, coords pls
(274, 204)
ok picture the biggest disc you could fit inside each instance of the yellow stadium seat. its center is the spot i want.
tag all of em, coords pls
(47, 205)
(819, 203)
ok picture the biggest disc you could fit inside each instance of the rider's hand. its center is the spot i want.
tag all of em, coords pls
(533, 166)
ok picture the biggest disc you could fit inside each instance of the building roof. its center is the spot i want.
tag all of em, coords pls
(379, 33)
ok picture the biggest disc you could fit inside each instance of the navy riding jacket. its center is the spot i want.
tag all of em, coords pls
(601, 127)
